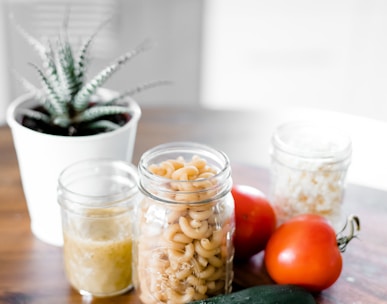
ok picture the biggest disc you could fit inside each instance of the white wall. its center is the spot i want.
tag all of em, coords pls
(321, 54)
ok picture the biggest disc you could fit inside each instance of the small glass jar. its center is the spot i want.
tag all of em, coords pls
(308, 171)
(97, 199)
(183, 249)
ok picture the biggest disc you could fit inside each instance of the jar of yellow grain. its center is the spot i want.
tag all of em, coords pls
(97, 198)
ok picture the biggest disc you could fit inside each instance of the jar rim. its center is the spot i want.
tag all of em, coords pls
(311, 140)
(170, 150)
(128, 180)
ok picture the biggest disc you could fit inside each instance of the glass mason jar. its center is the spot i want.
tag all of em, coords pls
(97, 199)
(183, 249)
(308, 171)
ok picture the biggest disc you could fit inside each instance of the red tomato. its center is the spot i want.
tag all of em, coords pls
(255, 221)
(304, 251)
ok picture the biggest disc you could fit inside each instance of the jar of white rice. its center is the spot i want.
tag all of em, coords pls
(308, 170)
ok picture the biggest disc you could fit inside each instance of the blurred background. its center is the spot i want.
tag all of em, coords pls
(245, 54)
(289, 60)
(173, 26)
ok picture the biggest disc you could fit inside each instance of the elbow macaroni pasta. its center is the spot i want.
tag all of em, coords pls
(184, 255)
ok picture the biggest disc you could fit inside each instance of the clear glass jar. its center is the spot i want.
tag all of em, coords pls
(308, 171)
(183, 249)
(97, 199)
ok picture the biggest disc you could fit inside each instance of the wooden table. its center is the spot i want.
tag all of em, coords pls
(32, 271)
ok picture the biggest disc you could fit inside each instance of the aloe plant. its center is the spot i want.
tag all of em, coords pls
(66, 98)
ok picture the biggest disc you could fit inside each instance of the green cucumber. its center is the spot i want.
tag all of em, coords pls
(264, 294)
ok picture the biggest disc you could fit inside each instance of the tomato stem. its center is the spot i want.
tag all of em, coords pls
(354, 227)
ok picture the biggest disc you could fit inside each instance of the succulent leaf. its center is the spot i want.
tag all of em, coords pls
(82, 58)
(35, 43)
(57, 104)
(66, 71)
(48, 106)
(37, 115)
(81, 64)
(138, 89)
(99, 111)
(83, 96)
(104, 124)
(37, 94)
(62, 121)
(45, 53)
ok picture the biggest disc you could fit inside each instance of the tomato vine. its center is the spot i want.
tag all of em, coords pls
(353, 224)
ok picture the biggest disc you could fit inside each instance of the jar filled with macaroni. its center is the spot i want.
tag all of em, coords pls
(185, 224)
(308, 171)
(97, 199)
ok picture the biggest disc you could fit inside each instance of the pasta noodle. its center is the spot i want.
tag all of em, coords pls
(200, 215)
(184, 257)
(205, 253)
(194, 232)
(201, 261)
(214, 243)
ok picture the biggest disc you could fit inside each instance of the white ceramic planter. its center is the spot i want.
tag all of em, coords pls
(42, 157)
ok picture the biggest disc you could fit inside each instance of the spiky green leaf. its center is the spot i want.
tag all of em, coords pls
(138, 89)
(99, 111)
(66, 71)
(62, 121)
(35, 115)
(81, 100)
(107, 125)
(57, 103)
(82, 58)
(35, 43)
(38, 94)
(45, 53)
